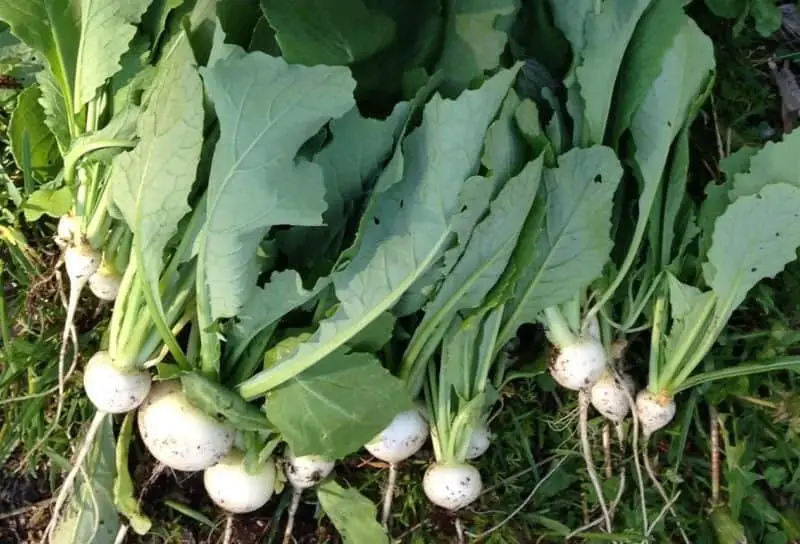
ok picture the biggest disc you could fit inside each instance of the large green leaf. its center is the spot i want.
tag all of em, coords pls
(56, 109)
(321, 32)
(754, 238)
(43, 201)
(90, 514)
(775, 162)
(485, 257)
(268, 304)
(107, 27)
(27, 123)
(474, 38)
(357, 149)
(353, 515)
(607, 35)
(151, 184)
(409, 224)
(337, 406)
(267, 109)
(653, 37)
(50, 27)
(563, 253)
(570, 17)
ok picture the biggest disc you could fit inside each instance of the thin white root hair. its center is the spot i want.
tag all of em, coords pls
(227, 536)
(651, 473)
(287, 533)
(522, 505)
(609, 469)
(388, 495)
(69, 481)
(62, 377)
(598, 521)
(667, 508)
(460, 531)
(636, 463)
(583, 420)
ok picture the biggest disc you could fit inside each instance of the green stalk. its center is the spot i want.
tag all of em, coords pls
(414, 375)
(677, 361)
(76, 153)
(656, 334)
(557, 327)
(491, 329)
(784, 363)
(120, 310)
(99, 222)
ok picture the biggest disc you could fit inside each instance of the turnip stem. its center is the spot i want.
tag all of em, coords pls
(67, 485)
(287, 533)
(583, 422)
(388, 495)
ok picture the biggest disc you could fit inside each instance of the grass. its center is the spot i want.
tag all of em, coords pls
(536, 486)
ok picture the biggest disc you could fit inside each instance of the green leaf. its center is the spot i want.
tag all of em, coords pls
(607, 35)
(27, 122)
(335, 33)
(107, 27)
(267, 305)
(408, 225)
(767, 16)
(154, 20)
(18, 60)
(90, 514)
(56, 110)
(217, 400)
(775, 162)
(474, 38)
(653, 37)
(486, 256)
(562, 255)
(728, 9)
(357, 149)
(337, 406)
(151, 184)
(50, 27)
(124, 498)
(754, 239)
(374, 336)
(267, 110)
(52, 202)
(570, 17)
(353, 515)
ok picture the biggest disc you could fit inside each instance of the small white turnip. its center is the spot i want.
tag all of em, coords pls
(179, 434)
(579, 365)
(608, 396)
(654, 411)
(479, 441)
(81, 261)
(234, 489)
(68, 230)
(113, 390)
(105, 283)
(404, 437)
(452, 485)
(307, 470)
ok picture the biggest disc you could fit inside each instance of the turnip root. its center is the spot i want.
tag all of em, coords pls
(113, 390)
(234, 489)
(177, 433)
(404, 437)
(452, 485)
(580, 364)
(105, 284)
(302, 472)
(67, 231)
(654, 411)
(609, 398)
(479, 441)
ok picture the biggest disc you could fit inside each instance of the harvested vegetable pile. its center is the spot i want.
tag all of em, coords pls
(330, 231)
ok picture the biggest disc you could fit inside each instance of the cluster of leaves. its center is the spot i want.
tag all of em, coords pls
(327, 189)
